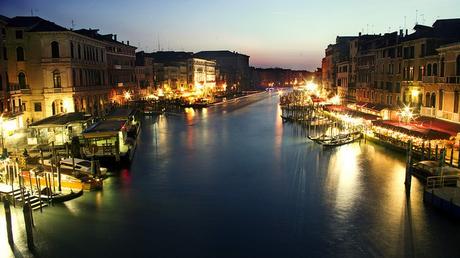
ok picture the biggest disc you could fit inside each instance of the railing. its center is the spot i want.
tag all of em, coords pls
(453, 79)
(17, 87)
(433, 79)
(442, 181)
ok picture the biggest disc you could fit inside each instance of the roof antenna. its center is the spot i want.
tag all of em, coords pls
(31, 12)
(416, 17)
(73, 24)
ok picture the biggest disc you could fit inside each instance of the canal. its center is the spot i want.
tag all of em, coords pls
(234, 181)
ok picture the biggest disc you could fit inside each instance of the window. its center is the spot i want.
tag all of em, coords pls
(456, 98)
(427, 99)
(5, 54)
(71, 49)
(458, 65)
(54, 49)
(19, 54)
(428, 70)
(442, 67)
(37, 107)
(433, 100)
(57, 79)
(22, 80)
(441, 99)
(435, 69)
(19, 34)
(79, 51)
(74, 77)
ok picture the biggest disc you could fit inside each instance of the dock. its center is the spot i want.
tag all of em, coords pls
(443, 193)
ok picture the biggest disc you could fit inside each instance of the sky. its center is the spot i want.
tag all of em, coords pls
(274, 33)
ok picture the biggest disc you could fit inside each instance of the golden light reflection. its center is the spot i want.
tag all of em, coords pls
(345, 167)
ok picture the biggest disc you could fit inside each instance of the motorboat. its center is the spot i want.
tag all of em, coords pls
(82, 166)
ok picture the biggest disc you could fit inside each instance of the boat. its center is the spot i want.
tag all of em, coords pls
(59, 197)
(426, 168)
(340, 139)
(82, 167)
(320, 138)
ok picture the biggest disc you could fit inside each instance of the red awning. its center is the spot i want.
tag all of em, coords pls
(413, 129)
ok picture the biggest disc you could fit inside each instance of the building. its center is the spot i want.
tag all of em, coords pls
(201, 73)
(53, 70)
(233, 68)
(419, 70)
(279, 77)
(121, 59)
(145, 76)
(171, 70)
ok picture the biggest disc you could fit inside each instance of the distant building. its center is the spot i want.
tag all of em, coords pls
(145, 76)
(233, 68)
(279, 77)
(121, 58)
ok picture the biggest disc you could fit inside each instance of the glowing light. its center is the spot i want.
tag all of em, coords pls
(311, 86)
(68, 105)
(161, 93)
(415, 93)
(127, 95)
(406, 114)
(335, 100)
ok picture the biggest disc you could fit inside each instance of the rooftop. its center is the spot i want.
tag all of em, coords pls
(61, 119)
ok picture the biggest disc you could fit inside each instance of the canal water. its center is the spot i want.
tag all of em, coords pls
(234, 181)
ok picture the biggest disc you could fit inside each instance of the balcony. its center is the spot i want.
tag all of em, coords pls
(16, 88)
(56, 60)
(433, 79)
(453, 80)
(57, 90)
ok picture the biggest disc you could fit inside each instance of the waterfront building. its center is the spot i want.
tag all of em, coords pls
(233, 68)
(145, 76)
(120, 63)
(395, 69)
(201, 74)
(53, 70)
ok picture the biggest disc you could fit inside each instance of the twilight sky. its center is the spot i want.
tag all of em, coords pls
(275, 33)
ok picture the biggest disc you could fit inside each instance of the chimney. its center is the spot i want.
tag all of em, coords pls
(359, 34)
(122, 42)
(115, 37)
(400, 32)
(127, 42)
(407, 32)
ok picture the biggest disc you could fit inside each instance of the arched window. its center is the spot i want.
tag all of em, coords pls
(433, 100)
(435, 69)
(57, 79)
(54, 49)
(442, 67)
(427, 99)
(458, 65)
(441, 99)
(428, 70)
(19, 54)
(22, 80)
(456, 99)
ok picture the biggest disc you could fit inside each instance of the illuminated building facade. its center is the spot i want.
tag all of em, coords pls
(233, 68)
(53, 70)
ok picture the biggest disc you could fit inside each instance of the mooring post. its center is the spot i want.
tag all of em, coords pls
(9, 230)
(452, 156)
(408, 180)
(423, 150)
(28, 224)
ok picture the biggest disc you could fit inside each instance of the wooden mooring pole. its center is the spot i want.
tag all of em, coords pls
(9, 230)
(408, 180)
(28, 223)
